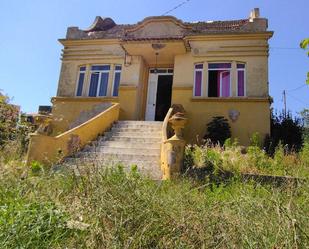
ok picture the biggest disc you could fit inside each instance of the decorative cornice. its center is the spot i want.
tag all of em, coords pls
(231, 99)
(84, 99)
(231, 36)
(151, 19)
(67, 42)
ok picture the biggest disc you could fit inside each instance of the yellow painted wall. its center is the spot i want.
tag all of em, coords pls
(66, 110)
(249, 49)
(127, 101)
(256, 72)
(254, 114)
(45, 149)
(131, 89)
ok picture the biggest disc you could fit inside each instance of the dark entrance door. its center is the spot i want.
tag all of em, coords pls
(164, 96)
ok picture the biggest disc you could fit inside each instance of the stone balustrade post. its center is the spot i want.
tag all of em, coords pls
(174, 147)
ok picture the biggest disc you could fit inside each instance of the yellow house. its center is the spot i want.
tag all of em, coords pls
(211, 68)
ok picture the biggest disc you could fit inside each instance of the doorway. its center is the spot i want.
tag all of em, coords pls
(159, 94)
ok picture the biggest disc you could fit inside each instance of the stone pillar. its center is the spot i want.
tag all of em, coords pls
(174, 147)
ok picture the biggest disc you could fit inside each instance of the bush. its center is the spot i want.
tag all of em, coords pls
(14, 137)
(8, 120)
(233, 158)
(287, 130)
(218, 130)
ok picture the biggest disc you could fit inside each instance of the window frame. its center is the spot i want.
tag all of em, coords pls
(77, 80)
(114, 77)
(220, 69)
(99, 79)
(202, 78)
(245, 79)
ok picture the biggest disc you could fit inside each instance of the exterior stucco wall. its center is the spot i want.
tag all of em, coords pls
(253, 53)
(131, 89)
(254, 115)
(86, 55)
(66, 110)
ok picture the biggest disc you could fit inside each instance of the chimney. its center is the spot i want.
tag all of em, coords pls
(255, 13)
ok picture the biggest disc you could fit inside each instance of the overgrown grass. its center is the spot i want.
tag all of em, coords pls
(252, 159)
(114, 209)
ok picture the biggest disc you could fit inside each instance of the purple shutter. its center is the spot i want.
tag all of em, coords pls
(225, 84)
(241, 83)
(198, 83)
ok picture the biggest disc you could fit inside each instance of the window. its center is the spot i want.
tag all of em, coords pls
(241, 80)
(99, 80)
(219, 79)
(116, 83)
(198, 80)
(80, 81)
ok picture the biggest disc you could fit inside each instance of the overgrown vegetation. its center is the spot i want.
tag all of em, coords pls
(113, 209)
(13, 132)
(253, 159)
(285, 130)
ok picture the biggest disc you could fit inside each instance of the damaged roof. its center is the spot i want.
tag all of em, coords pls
(106, 28)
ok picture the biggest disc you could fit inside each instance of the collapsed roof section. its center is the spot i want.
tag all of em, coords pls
(166, 27)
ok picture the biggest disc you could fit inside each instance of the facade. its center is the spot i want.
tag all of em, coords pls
(213, 68)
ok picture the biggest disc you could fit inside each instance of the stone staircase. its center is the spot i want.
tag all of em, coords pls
(127, 143)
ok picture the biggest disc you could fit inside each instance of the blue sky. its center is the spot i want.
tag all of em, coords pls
(30, 53)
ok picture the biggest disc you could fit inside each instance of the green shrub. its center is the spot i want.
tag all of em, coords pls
(36, 167)
(287, 130)
(218, 130)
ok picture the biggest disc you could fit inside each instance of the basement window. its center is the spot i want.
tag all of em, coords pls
(117, 74)
(241, 80)
(99, 80)
(198, 80)
(80, 81)
(219, 79)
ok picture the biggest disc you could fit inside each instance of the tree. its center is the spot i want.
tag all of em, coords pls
(305, 45)
(286, 130)
(305, 116)
(8, 119)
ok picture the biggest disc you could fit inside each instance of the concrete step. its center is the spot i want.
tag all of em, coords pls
(132, 139)
(126, 144)
(137, 129)
(139, 124)
(133, 134)
(107, 162)
(149, 169)
(116, 156)
(123, 150)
